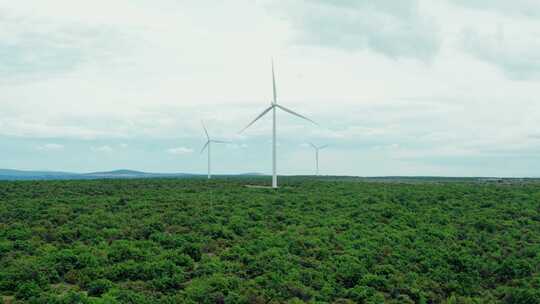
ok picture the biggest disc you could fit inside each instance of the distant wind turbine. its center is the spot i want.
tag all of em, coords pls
(208, 147)
(317, 149)
(273, 106)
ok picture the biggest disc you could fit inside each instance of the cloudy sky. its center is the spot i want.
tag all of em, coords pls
(409, 87)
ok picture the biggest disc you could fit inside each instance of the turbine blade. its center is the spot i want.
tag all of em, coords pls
(323, 147)
(274, 83)
(314, 147)
(295, 114)
(205, 146)
(258, 117)
(205, 130)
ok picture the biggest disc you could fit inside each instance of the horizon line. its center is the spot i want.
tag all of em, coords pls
(259, 174)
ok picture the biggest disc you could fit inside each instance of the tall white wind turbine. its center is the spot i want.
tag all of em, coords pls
(317, 149)
(273, 107)
(208, 146)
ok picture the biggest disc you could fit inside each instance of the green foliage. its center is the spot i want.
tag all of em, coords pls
(312, 241)
(99, 287)
(27, 291)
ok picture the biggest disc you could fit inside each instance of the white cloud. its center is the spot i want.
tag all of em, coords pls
(36, 49)
(386, 147)
(511, 48)
(50, 147)
(397, 29)
(180, 151)
(102, 149)
(237, 146)
(527, 8)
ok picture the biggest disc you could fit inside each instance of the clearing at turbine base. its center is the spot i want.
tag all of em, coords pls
(273, 107)
(317, 149)
(208, 146)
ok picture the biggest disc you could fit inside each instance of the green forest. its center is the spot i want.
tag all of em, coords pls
(312, 241)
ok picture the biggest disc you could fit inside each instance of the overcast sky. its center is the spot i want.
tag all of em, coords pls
(426, 87)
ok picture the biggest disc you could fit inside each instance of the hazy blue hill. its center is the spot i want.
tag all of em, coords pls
(118, 173)
(121, 172)
(251, 174)
(9, 174)
(30, 173)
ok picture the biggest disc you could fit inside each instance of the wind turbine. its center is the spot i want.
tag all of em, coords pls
(208, 147)
(317, 149)
(273, 107)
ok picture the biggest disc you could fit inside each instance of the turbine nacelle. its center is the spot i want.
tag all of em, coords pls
(318, 148)
(215, 142)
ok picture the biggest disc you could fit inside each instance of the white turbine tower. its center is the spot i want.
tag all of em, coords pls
(273, 107)
(208, 146)
(317, 149)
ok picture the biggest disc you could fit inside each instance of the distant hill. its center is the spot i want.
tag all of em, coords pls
(8, 174)
(124, 173)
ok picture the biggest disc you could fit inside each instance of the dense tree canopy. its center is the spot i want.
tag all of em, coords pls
(314, 241)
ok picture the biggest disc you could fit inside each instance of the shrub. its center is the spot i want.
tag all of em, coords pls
(99, 287)
(27, 291)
